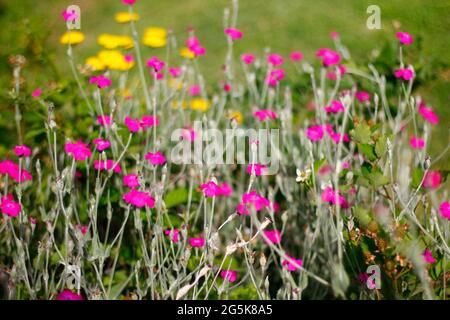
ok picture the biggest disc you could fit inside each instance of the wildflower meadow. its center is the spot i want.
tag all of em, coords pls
(136, 175)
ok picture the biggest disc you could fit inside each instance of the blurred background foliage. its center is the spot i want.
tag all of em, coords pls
(32, 28)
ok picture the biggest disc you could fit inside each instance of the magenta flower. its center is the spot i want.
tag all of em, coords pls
(195, 90)
(227, 87)
(329, 57)
(264, 114)
(247, 58)
(68, 294)
(336, 137)
(296, 56)
(197, 242)
(405, 74)
(155, 64)
(139, 199)
(22, 151)
(36, 93)
(194, 46)
(188, 134)
(334, 35)
(210, 189)
(225, 190)
(173, 234)
(292, 264)
(275, 59)
(362, 96)
(101, 81)
(315, 133)
(332, 197)
(257, 169)
(12, 169)
(10, 207)
(175, 72)
(275, 76)
(444, 210)
(428, 114)
(416, 142)
(149, 121)
(404, 37)
(233, 33)
(156, 158)
(131, 180)
(230, 275)
(83, 229)
(129, 58)
(104, 120)
(132, 124)
(252, 200)
(274, 236)
(335, 107)
(78, 150)
(69, 15)
(101, 144)
(432, 180)
(102, 165)
(428, 256)
(128, 2)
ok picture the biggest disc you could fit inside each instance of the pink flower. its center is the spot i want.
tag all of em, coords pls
(12, 169)
(325, 169)
(69, 15)
(194, 46)
(101, 81)
(444, 209)
(101, 144)
(83, 229)
(156, 158)
(132, 124)
(188, 134)
(155, 63)
(247, 58)
(36, 93)
(416, 142)
(329, 57)
(102, 165)
(195, 90)
(67, 294)
(173, 234)
(332, 75)
(336, 137)
(329, 195)
(296, 56)
(22, 151)
(129, 58)
(362, 96)
(210, 189)
(264, 114)
(432, 180)
(315, 133)
(139, 199)
(275, 76)
(131, 180)
(404, 37)
(149, 121)
(428, 114)
(334, 35)
(275, 59)
(225, 190)
(197, 242)
(175, 72)
(335, 107)
(345, 165)
(78, 150)
(292, 264)
(128, 2)
(274, 236)
(230, 275)
(104, 120)
(257, 169)
(10, 207)
(253, 200)
(227, 87)
(428, 256)
(405, 74)
(233, 33)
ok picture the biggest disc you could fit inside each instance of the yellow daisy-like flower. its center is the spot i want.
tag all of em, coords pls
(176, 104)
(72, 37)
(95, 63)
(114, 60)
(236, 115)
(110, 41)
(186, 53)
(124, 17)
(200, 104)
(155, 37)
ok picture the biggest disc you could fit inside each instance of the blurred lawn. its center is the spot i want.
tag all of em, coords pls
(31, 27)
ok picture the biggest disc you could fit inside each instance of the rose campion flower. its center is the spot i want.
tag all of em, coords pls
(173, 234)
(273, 236)
(336, 137)
(132, 124)
(275, 59)
(22, 151)
(195, 90)
(315, 133)
(156, 158)
(258, 169)
(194, 46)
(265, 114)
(230, 275)
(155, 64)
(296, 56)
(416, 142)
(108, 164)
(405, 74)
(188, 134)
(78, 150)
(227, 87)
(362, 96)
(233, 33)
(275, 77)
(13, 170)
(334, 35)
(69, 15)
(248, 58)
(104, 120)
(335, 107)
(9, 206)
(210, 189)
(128, 2)
(428, 256)
(225, 190)
(328, 56)
(404, 37)
(36, 93)
(444, 210)
(131, 180)
(252, 200)
(139, 199)
(197, 242)
(292, 264)
(68, 294)
(101, 144)
(101, 81)
(149, 121)
(332, 197)
(432, 180)
(428, 114)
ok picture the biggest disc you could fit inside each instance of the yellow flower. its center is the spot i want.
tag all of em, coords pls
(155, 37)
(124, 17)
(114, 60)
(236, 115)
(126, 93)
(109, 41)
(186, 53)
(72, 37)
(176, 84)
(200, 104)
(95, 63)
(177, 104)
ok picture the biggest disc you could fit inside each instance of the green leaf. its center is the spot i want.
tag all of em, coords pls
(368, 151)
(417, 176)
(362, 215)
(381, 146)
(377, 179)
(176, 197)
(361, 134)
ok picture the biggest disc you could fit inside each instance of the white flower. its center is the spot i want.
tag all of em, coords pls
(302, 176)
